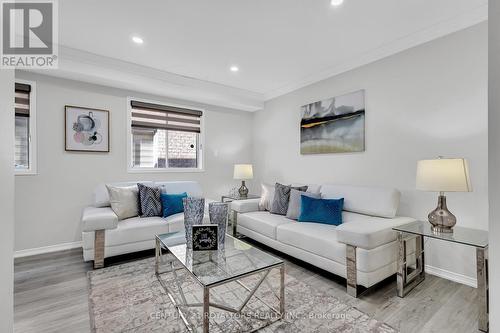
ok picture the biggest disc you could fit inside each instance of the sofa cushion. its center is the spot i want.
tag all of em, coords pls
(138, 229)
(193, 189)
(264, 223)
(320, 239)
(373, 201)
(368, 232)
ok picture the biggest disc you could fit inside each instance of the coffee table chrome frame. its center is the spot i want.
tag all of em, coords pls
(206, 304)
(406, 282)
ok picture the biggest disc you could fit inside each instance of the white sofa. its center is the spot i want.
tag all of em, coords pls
(105, 236)
(363, 249)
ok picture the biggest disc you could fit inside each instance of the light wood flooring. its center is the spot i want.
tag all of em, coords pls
(50, 295)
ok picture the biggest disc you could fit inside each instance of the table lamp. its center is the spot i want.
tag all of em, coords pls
(443, 175)
(243, 172)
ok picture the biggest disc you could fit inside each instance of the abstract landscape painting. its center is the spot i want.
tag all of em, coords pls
(334, 125)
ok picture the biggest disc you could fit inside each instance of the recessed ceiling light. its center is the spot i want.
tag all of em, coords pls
(137, 40)
(336, 2)
(234, 68)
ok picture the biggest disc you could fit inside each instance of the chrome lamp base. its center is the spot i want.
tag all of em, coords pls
(243, 190)
(441, 218)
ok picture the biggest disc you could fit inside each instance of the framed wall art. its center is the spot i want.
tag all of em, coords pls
(334, 125)
(86, 129)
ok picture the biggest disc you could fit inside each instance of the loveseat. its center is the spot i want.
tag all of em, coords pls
(105, 236)
(363, 249)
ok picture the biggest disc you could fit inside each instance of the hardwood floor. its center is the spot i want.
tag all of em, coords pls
(50, 295)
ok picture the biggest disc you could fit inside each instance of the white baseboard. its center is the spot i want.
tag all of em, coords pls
(463, 279)
(47, 249)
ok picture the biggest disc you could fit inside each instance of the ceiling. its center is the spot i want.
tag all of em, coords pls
(279, 45)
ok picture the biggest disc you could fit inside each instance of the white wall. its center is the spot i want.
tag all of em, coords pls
(6, 199)
(49, 205)
(427, 101)
(494, 161)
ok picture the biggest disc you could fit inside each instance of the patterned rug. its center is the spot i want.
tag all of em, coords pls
(129, 298)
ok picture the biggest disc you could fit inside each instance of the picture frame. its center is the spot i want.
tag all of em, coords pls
(205, 237)
(334, 125)
(86, 129)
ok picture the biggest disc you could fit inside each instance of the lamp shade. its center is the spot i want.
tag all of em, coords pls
(243, 171)
(443, 175)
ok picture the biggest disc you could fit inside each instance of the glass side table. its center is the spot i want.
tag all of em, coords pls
(411, 274)
(233, 215)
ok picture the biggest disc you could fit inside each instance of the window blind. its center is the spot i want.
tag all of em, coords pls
(156, 116)
(22, 126)
(22, 102)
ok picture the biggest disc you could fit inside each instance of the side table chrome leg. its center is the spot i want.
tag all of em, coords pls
(401, 275)
(482, 287)
(406, 282)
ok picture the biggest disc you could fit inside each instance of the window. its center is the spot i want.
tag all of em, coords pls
(164, 137)
(25, 121)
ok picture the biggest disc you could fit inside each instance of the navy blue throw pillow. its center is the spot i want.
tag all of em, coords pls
(327, 211)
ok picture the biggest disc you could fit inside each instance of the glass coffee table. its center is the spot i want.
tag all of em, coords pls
(410, 274)
(210, 269)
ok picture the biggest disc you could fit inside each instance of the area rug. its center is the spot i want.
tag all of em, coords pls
(129, 298)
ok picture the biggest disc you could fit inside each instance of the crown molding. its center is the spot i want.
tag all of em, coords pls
(83, 66)
(428, 34)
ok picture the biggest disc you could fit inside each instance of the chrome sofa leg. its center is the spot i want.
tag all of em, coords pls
(99, 249)
(352, 286)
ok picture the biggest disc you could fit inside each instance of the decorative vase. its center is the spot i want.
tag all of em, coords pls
(218, 215)
(194, 209)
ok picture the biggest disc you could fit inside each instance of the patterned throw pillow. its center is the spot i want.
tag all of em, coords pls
(150, 202)
(282, 197)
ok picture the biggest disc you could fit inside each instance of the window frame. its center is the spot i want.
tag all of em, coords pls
(201, 139)
(32, 140)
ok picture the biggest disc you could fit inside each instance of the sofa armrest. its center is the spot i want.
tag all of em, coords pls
(368, 234)
(245, 206)
(94, 218)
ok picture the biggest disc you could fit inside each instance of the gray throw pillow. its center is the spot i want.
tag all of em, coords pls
(295, 201)
(282, 196)
(150, 202)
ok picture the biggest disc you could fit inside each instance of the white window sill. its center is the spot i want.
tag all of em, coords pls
(166, 170)
(25, 173)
